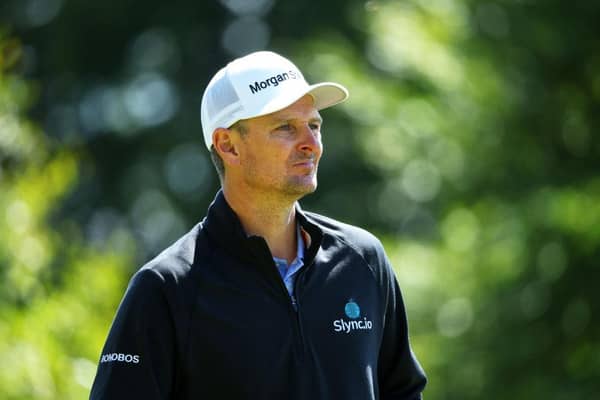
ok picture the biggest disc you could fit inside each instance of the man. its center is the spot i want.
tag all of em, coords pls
(262, 300)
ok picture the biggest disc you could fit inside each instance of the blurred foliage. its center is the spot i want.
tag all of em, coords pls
(57, 296)
(469, 144)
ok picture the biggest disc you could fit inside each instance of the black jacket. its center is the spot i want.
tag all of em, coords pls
(210, 318)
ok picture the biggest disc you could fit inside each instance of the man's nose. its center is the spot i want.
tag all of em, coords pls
(311, 140)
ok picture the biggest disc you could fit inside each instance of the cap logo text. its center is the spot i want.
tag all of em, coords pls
(272, 81)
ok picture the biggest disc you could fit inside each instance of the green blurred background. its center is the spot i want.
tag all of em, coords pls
(469, 145)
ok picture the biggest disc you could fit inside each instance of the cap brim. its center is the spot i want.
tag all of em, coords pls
(327, 94)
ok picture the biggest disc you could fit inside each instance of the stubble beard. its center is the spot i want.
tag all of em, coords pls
(291, 187)
(299, 187)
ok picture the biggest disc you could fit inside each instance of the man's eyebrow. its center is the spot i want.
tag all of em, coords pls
(286, 118)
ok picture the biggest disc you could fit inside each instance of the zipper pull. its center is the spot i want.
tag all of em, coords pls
(294, 302)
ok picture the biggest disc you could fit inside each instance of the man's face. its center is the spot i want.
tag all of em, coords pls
(280, 152)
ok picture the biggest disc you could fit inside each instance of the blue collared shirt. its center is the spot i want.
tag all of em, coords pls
(289, 272)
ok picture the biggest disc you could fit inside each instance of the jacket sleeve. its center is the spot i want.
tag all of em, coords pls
(400, 374)
(137, 361)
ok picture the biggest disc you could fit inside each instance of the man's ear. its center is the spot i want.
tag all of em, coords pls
(224, 141)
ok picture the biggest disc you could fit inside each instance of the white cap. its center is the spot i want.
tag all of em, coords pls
(258, 84)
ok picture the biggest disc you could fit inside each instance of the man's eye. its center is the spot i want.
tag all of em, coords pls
(315, 127)
(284, 127)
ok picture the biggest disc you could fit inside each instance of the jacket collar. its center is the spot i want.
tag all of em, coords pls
(224, 227)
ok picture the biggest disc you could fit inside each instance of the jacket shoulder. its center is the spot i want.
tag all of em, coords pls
(173, 267)
(361, 240)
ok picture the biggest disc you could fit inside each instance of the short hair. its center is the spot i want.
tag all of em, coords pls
(216, 158)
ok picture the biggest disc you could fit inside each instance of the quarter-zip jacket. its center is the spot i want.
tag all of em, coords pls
(210, 318)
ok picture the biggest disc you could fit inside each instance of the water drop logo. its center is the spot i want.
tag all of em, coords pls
(352, 309)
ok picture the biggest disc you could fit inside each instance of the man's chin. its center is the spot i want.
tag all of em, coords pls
(301, 189)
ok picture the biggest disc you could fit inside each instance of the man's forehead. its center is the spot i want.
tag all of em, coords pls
(301, 109)
(312, 115)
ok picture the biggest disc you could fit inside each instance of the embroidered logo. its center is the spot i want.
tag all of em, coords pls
(274, 80)
(120, 357)
(352, 310)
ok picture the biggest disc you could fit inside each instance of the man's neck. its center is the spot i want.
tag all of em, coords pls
(272, 218)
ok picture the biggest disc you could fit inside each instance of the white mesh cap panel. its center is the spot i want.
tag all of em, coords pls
(219, 104)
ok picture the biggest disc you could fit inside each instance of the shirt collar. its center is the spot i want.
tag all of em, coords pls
(300, 244)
